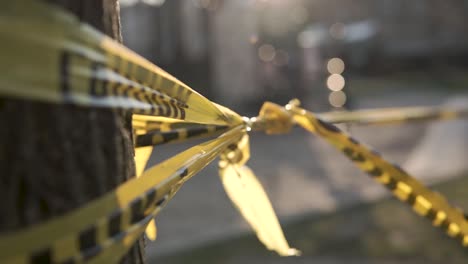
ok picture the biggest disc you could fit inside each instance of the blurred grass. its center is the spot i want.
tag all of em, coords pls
(383, 231)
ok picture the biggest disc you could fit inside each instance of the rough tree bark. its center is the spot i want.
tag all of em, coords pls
(55, 158)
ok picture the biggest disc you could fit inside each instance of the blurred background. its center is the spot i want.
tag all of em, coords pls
(332, 55)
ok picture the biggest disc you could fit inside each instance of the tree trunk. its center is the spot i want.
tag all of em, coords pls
(55, 158)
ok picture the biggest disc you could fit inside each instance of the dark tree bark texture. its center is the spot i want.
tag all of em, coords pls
(55, 158)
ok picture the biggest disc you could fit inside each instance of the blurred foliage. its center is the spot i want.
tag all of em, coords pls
(385, 231)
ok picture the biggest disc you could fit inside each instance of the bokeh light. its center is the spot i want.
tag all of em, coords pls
(266, 52)
(125, 3)
(337, 98)
(253, 39)
(311, 37)
(154, 2)
(336, 82)
(335, 66)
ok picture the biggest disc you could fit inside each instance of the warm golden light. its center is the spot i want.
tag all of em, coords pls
(335, 82)
(337, 99)
(266, 52)
(336, 65)
(253, 39)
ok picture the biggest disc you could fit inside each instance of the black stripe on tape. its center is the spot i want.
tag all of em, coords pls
(150, 195)
(348, 152)
(196, 131)
(144, 140)
(375, 172)
(92, 252)
(460, 237)
(65, 75)
(168, 108)
(155, 104)
(175, 107)
(41, 257)
(70, 260)
(93, 82)
(136, 207)
(329, 126)
(352, 140)
(97, 88)
(358, 158)
(411, 199)
(161, 201)
(353, 155)
(392, 184)
(87, 238)
(445, 224)
(431, 214)
(169, 136)
(182, 113)
(114, 223)
(183, 173)
(220, 128)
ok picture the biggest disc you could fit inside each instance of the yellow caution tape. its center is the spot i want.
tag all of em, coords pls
(108, 220)
(50, 56)
(424, 201)
(248, 195)
(177, 132)
(151, 230)
(142, 156)
(74, 64)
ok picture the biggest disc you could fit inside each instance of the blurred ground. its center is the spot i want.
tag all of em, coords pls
(305, 179)
(381, 232)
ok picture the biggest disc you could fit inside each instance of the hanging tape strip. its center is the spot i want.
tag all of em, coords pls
(424, 201)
